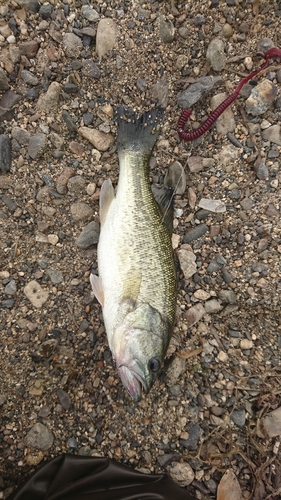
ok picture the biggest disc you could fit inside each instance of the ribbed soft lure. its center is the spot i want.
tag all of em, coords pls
(191, 136)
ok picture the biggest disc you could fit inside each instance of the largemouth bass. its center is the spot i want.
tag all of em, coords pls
(137, 284)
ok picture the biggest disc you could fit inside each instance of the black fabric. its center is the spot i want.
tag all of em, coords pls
(72, 477)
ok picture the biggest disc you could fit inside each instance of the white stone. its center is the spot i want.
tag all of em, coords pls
(226, 121)
(212, 306)
(201, 294)
(36, 294)
(191, 197)
(91, 188)
(106, 37)
(11, 39)
(182, 473)
(100, 140)
(216, 206)
(187, 262)
(175, 240)
(222, 356)
(53, 239)
(246, 344)
(248, 61)
(41, 237)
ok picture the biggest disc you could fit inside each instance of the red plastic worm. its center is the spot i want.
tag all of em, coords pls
(191, 136)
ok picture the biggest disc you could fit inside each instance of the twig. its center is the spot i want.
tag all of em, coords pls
(272, 495)
(189, 354)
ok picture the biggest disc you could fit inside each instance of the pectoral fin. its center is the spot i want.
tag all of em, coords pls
(164, 198)
(97, 288)
(106, 197)
(132, 284)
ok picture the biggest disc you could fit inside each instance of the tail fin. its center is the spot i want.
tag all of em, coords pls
(138, 133)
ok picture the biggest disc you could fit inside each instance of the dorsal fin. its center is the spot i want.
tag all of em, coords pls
(164, 196)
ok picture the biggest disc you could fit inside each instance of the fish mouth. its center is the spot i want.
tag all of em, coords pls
(133, 381)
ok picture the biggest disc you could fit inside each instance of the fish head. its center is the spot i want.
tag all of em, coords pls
(139, 349)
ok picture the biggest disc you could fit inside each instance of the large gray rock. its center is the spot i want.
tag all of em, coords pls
(215, 54)
(72, 45)
(39, 437)
(198, 90)
(49, 102)
(89, 235)
(106, 37)
(37, 145)
(225, 122)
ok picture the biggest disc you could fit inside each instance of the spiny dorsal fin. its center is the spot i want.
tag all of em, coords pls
(164, 198)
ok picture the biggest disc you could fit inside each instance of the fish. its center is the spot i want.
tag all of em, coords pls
(136, 285)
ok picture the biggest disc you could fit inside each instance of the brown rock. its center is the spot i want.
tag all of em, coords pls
(53, 53)
(5, 182)
(49, 102)
(225, 122)
(272, 134)
(194, 314)
(80, 211)
(195, 163)
(34, 457)
(5, 30)
(100, 140)
(272, 211)
(76, 148)
(29, 48)
(62, 180)
(55, 32)
(4, 84)
(106, 36)
(182, 473)
(262, 245)
(76, 185)
(43, 194)
(8, 100)
(261, 98)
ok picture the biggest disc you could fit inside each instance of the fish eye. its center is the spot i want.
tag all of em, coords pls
(154, 365)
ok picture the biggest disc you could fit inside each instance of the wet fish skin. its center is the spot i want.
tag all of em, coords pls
(137, 283)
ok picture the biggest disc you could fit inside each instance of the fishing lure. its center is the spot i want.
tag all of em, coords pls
(191, 136)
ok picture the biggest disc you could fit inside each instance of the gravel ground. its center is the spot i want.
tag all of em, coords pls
(63, 68)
